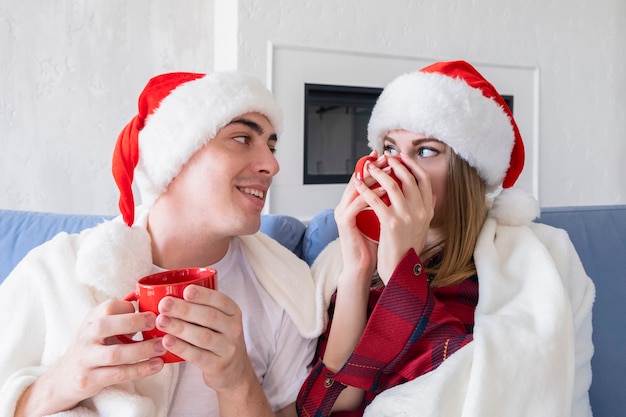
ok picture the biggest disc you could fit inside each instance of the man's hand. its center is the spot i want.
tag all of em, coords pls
(95, 360)
(206, 329)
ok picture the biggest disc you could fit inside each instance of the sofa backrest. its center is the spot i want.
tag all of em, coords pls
(20, 231)
(598, 233)
(599, 236)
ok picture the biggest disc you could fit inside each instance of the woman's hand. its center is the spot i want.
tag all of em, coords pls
(405, 223)
(359, 254)
(95, 360)
(353, 286)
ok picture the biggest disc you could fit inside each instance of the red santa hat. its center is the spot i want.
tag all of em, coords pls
(454, 103)
(178, 113)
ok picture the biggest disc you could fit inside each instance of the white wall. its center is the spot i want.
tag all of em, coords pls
(72, 70)
(71, 73)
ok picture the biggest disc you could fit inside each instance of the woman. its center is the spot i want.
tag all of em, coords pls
(464, 306)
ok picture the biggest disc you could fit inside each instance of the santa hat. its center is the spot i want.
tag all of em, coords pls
(454, 103)
(178, 113)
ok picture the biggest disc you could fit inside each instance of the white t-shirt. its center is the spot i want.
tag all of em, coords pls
(279, 354)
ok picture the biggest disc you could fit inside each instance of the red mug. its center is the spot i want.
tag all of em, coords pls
(366, 220)
(152, 288)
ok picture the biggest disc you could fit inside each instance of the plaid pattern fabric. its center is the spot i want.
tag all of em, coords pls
(411, 330)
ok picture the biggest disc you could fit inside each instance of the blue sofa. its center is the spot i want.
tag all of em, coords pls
(598, 233)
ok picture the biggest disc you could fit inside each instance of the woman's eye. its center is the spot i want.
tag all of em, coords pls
(426, 152)
(392, 151)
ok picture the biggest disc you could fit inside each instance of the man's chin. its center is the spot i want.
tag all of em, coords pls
(250, 227)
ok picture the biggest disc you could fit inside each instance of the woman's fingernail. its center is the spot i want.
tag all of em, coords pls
(357, 181)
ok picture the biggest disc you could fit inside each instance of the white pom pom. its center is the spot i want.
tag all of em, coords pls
(112, 256)
(514, 207)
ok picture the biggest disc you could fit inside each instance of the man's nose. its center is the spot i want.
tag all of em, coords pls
(268, 163)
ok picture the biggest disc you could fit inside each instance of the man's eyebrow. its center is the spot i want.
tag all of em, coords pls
(251, 124)
(254, 126)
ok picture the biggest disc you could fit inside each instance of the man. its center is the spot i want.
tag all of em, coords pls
(202, 150)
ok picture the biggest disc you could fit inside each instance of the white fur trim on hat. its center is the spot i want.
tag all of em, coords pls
(448, 109)
(189, 117)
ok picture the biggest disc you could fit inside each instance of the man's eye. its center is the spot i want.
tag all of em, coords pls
(242, 139)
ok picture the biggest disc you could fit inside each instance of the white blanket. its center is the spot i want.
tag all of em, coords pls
(532, 337)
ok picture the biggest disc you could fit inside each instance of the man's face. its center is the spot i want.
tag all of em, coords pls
(223, 187)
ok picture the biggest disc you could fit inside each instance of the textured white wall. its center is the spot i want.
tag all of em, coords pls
(71, 73)
(72, 70)
(578, 47)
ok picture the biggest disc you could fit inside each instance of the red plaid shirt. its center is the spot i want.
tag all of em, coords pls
(411, 330)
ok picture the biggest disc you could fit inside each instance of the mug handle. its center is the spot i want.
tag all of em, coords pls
(360, 165)
(122, 337)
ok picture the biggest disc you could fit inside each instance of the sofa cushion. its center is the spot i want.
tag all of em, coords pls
(599, 236)
(287, 230)
(20, 231)
(320, 231)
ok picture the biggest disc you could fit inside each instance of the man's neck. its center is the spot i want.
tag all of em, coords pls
(174, 248)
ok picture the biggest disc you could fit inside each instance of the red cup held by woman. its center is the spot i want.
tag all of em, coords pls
(366, 220)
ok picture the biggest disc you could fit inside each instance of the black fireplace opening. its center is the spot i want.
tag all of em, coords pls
(335, 130)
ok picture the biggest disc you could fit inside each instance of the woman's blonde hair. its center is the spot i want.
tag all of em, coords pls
(465, 213)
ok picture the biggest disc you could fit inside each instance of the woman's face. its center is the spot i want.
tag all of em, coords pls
(431, 155)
